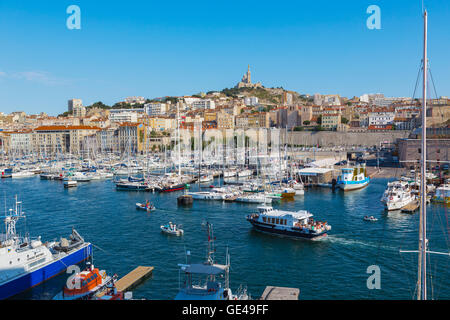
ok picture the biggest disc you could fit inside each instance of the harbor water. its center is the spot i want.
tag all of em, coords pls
(331, 268)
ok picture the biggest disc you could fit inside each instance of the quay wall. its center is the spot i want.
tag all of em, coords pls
(334, 138)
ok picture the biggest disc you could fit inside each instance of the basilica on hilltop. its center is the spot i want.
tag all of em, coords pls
(246, 81)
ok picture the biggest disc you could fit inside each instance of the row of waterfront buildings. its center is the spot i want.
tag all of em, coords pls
(143, 120)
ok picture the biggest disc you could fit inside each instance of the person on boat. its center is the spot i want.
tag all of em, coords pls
(147, 204)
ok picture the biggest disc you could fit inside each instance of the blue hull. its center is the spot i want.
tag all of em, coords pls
(48, 271)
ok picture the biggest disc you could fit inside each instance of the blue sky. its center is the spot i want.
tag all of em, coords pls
(156, 48)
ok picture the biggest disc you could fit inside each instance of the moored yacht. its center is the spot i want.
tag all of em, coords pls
(397, 195)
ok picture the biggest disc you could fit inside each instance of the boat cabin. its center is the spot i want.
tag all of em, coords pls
(88, 280)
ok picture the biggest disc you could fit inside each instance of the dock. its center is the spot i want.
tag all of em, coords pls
(411, 207)
(280, 293)
(133, 278)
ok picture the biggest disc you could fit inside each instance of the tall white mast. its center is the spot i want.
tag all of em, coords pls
(422, 268)
(178, 137)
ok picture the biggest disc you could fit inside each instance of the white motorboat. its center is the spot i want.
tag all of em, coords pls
(245, 173)
(254, 198)
(145, 206)
(206, 195)
(172, 229)
(22, 174)
(397, 195)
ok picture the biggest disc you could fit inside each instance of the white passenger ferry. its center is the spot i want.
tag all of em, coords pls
(285, 223)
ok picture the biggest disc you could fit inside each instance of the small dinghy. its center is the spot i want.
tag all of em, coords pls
(172, 229)
(145, 206)
(371, 218)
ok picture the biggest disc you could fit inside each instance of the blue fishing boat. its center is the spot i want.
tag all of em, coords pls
(353, 178)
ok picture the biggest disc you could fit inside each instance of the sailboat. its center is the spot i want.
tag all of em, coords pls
(423, 241)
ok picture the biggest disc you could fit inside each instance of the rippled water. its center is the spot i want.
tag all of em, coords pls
(331, 268)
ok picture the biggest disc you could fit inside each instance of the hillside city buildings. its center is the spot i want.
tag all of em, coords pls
(147, 123)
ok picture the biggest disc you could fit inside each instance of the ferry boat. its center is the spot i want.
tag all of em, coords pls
(86, 284)
(26, 262)
(285, 223)
(202, 281)
(397, 195)
(353, 178)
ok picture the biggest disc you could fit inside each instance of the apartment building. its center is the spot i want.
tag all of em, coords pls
(331, 121)
(155, 109)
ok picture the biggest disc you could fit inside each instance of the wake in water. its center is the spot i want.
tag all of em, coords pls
(357, 243)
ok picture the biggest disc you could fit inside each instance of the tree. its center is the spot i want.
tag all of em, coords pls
(318, 128)
(65, 114)
(306, 122)
(299, 128)
(344, 120)
(99, 105)
(319, 119)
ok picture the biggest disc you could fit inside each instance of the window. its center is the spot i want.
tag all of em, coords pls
(277, 221)
(264, 219)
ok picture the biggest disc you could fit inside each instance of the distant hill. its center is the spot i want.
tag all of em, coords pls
(265, 95)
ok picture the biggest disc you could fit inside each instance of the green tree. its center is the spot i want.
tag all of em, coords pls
(306, 122)
(319, 120)
(99, 105)
(344, 120)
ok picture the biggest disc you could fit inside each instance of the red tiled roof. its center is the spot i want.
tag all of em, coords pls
(60, 128)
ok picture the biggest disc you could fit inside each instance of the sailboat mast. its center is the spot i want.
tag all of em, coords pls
(422, 288)
(178, 138)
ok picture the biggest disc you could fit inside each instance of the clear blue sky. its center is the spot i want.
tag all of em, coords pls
(156, 48)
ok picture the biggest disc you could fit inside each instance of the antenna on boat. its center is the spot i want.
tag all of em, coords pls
(211, 250)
